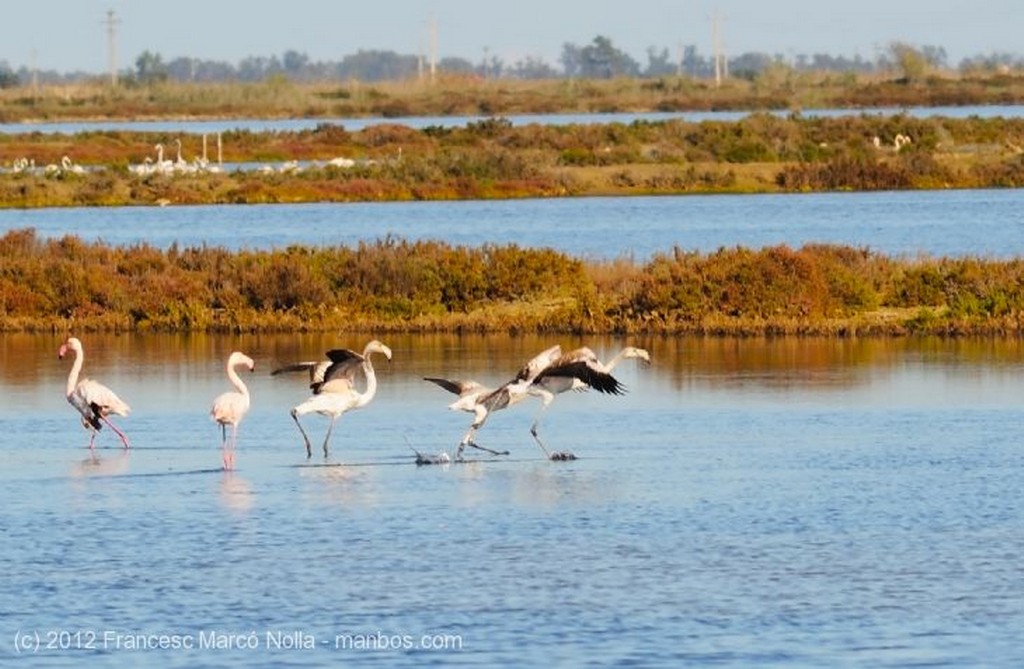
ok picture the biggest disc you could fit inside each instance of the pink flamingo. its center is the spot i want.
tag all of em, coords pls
(229, 408)
(93, 400)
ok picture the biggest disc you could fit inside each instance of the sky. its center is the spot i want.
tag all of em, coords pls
(70, 35)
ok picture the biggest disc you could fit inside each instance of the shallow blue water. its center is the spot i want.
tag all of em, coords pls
(971, 222)
(355, 124)
(747, 503)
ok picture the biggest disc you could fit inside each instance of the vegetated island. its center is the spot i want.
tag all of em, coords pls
(775, 148)
(492, 158)
(394, 285)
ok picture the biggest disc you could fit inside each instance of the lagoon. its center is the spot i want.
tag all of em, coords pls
(985, 223)
(769, 502)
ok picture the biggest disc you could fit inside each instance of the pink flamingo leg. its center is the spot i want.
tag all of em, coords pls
(124, 439)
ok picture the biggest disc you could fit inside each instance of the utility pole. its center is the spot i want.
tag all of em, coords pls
(716, 46)
(433, 48)
(112, 23)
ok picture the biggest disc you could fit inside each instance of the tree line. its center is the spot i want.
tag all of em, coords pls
(597, 60)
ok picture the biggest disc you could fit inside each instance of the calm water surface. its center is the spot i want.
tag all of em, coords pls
(419, 122)
(973, 222)
(747, 503)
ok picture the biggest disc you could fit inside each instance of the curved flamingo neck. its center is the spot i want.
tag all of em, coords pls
(371, 384)
(76, 369)
(236, 380)
(616, 360)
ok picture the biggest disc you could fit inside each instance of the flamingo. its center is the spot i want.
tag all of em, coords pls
(333, 384)
(67, 166)
(482, 401)
(161, 165)
(588, 371)
(229, 408)
(93, 400)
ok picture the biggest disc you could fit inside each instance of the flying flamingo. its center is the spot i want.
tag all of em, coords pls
(93, 400)
(333, 384)
(229, 408)
(481, 401)
(588, 371)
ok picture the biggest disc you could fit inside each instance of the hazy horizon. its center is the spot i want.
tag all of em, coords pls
(71, 35)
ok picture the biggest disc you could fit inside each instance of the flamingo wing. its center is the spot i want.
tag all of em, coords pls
(344, 364)
(229, 408)
(101, 399)
(460, 388)
(587, 372)
(538, 363)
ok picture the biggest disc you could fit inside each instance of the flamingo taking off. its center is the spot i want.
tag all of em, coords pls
(333, 384)
(587, 372)
(93, 400)
(229, 408)
(482, 401)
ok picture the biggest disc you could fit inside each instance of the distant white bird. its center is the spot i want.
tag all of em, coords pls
(162, 166)
(93, 400)
(333, 384)
(229, 408)
(67, 166)
(587, 371)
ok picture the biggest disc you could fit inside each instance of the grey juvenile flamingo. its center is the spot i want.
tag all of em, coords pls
(333, 384)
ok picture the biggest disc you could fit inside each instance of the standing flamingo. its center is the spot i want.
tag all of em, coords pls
(333, 384)
(229, 408)
(587, 372)
(93, 400)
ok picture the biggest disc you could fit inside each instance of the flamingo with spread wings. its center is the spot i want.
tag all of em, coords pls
(333, 382)
(549, 366)
(578, 370)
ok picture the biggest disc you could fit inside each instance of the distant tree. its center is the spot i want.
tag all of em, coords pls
(8, 79)
(294, 64)
(693, 64)
(377, 66)
(532, 68)
(571, 59)
(913, 63)
(659, 63)
(993, 62)
(456, 65)
(749, 65)
(150, 68)
(598, 60)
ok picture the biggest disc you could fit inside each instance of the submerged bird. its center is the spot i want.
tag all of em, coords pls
(93, 400)
(549, 364)
(588, 372)
(229, 408)
(333, 384)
